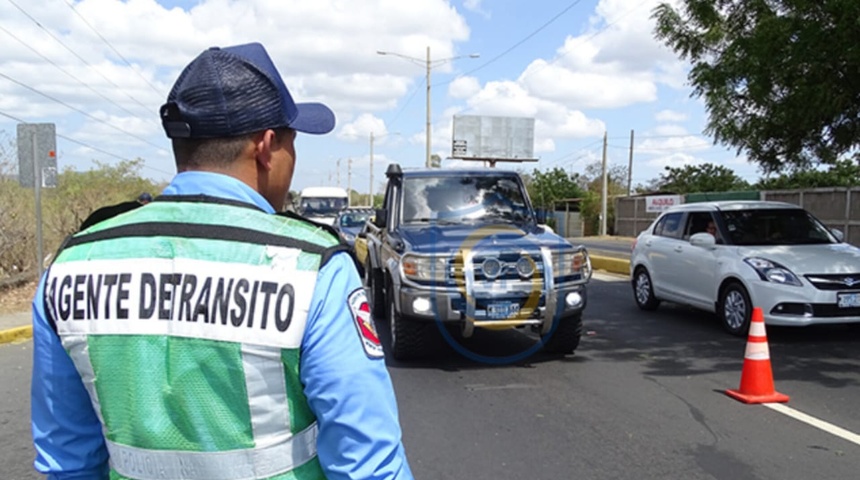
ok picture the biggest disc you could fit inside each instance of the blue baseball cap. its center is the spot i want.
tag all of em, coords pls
(231, 91)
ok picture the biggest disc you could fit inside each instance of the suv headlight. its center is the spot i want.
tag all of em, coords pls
(570, 263)
(773, 272)
(425, 268)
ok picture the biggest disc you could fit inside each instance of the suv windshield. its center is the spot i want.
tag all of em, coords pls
(322, 206)
(780, 226)
(463, 199)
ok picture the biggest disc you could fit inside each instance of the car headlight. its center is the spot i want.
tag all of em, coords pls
(570, 263)
(348, 236)
(425, 268)
(773, 272)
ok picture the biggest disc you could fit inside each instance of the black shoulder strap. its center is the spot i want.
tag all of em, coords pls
(194, 231)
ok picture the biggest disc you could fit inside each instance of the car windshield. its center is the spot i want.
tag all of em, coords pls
(780, 226)
(353, 219)
(322, 206)
(450, 199)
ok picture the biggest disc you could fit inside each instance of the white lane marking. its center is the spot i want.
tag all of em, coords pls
(815, 422)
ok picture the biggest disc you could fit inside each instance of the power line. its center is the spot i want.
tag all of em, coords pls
(590, 37)
(76, 55)
(112, 47)
(514, 46)
(414, 91)
(78, 142)
(79, 111)
(22, 42)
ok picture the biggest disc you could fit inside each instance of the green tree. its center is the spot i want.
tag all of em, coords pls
(843, 173)
(778, 77)
(547, 188)
(592, 202)
(706, 177)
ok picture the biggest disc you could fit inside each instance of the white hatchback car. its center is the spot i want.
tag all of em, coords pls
(728, 257)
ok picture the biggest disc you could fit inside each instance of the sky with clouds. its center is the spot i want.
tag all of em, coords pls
(100, 69)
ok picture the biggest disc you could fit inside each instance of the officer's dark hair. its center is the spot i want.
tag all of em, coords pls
(192, 153)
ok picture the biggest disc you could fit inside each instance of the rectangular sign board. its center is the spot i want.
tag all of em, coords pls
(37, 149)
(658, 203)
(493, 138)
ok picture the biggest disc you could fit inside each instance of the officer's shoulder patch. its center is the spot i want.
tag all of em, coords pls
(363, 320)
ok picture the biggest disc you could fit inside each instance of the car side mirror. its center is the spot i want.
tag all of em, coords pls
(380, 219)
(840, 237)
(704, 240)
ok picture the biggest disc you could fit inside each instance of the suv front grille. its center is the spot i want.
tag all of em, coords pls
(838, 281)
(507, 261)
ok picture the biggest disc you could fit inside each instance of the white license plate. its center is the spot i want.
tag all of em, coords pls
(502, 310)
(848, 300)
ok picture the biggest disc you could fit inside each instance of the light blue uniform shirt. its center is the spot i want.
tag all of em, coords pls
(349, 392)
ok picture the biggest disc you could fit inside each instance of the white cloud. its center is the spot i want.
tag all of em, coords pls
(679, 145)
(475, 6)
(359, 130)
(669, 116)
(464, 87)
(670, 130)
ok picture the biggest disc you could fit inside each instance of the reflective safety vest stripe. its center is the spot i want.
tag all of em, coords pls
(187, 334)
(250, 463)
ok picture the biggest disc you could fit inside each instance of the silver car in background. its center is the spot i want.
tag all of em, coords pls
(728, 257)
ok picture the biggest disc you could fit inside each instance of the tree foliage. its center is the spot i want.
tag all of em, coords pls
(592, 203)
(547, 188)
(78, 193)
(779, 77)
(706, 177)
(844, 173)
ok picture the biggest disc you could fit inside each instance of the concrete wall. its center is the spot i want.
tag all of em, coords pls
(568, 224)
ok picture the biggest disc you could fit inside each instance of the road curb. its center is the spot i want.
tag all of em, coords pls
(610, 264)
(15, 334)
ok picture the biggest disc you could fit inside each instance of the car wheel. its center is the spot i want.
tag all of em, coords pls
(409, 339)
(643, 290)
(735, 309)
(566, 336)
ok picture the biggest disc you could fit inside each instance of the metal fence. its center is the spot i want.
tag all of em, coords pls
(837, 207)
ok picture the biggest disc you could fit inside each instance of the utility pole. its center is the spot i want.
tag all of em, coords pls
(349, 182)
(370, 201)
(605, 190)
(338, 173)
(427, 155)
(630, 165)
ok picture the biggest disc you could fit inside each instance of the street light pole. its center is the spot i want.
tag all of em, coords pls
(428, 64)
(371, 170)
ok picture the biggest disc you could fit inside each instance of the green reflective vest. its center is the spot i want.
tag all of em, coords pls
(185, 320)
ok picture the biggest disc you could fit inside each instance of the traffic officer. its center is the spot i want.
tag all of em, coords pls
(204, 337)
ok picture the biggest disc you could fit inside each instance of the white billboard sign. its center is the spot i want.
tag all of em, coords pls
(658, 203)
(479, 137)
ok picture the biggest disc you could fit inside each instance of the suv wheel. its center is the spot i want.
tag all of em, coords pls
(643, 290)
(565, 338)
(735, 309)
(409, 338)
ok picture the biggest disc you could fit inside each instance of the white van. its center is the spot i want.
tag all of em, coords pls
(322, 204)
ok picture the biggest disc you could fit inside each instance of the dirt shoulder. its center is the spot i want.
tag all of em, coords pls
(17, 299)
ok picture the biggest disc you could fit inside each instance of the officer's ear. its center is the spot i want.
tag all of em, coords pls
(264, 143)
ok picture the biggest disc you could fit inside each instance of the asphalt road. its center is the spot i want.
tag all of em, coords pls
(641, 399)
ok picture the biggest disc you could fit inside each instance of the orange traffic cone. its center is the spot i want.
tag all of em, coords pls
(757, 376)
